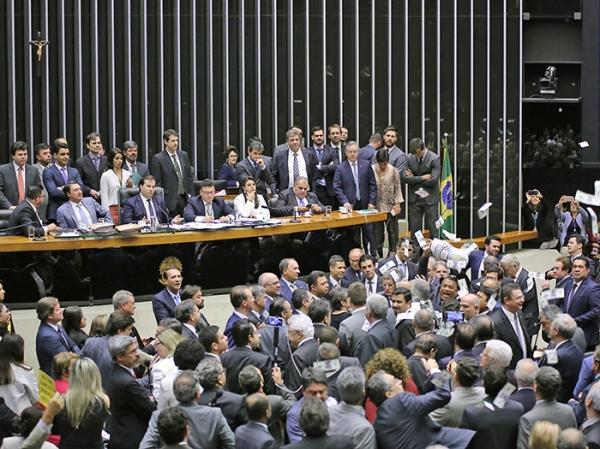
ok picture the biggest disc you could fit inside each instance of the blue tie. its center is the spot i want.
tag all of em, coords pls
(176, 299)
(355, 171)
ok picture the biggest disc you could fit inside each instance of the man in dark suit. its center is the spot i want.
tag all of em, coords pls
(328, 157)
(57, 176)
(464, 340)
(371, 278)
(173, 172)
(292, 163)
(284, 146)
(26, 215)
(524, 375)
(255, 434)
(188, 314)
(16, 177)
(401, 260)
(337, 268)
(300, 336)
(92, 165)
(298, 196)
(132, 165)
(491, 248)
(591, 427)
(566, 357)
(79, 212)
(247, 340)
(255, 167)
(423, 323)
(164, 303)
(242, 302)
(403, 418)
(212, 379)
(397, 158)
(290, 272)
(422, 175)
(380, 335)
(513, 269)
(355, 188)
(509, 325)
(43, 156)
(497, 428)
(145, 205)
(367, 153)
(353, 273)
(130, 406)
(561, 273)
(206, 208)
(582, 301)
(51, 338)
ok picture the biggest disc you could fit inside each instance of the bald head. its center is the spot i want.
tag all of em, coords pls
(525, 372)
(469, 305)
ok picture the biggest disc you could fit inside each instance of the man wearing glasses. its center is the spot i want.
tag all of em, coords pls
(26, 215)
(206, 208)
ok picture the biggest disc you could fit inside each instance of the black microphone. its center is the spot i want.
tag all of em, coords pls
(149, 373)
(213, 402)
(19, 226)
(166, 211)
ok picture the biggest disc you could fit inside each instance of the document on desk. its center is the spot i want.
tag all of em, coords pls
(201, 226)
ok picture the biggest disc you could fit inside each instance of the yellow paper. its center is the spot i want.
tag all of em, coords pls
(46, 386)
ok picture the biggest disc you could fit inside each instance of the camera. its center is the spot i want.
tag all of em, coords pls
(548, 83)
(455, 317)
(275, 321)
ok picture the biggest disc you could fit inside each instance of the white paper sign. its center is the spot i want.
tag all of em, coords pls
(504, 394)
(594, 220)
(484, 210)
(439, 223)
(456, 264)
(387, 266)
(536, 275)
(422, 193)
(587, 198)
(597, 188)
(491, 303)
(450, 236)
(549, 245)
(420, 239)
(584, 144)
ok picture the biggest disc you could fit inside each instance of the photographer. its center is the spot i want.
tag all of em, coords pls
(571, 222)
(534, 213)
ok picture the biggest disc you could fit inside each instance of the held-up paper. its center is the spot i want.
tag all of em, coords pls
(536, 275)
(420, 239)
(504, 394)
(439, 223)
(484, 210)
(450, 236)
(587, 198)
(594, 219)
(456, 264)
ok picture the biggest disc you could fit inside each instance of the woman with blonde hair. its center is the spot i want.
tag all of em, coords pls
(165, 343)
(18, 382)
(86, 408)
(544, 435)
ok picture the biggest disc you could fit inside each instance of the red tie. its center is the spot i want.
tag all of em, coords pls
(21, 184)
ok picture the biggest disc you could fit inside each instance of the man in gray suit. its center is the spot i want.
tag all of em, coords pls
(298, 196)
(208, 427)
(546, 386)
(79, 212)
(16, 177)
(43, 156)
(255, 435)
(397, 158)
(380, 334)
(352, 326)
(422, 175)
(173, 428)
(254, 166)
(130, 150)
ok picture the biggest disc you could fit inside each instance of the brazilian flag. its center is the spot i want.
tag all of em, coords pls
(446, 195)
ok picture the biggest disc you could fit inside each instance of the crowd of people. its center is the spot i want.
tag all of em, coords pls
(395, 353)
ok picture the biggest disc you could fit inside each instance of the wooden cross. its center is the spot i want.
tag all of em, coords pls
(39, 43)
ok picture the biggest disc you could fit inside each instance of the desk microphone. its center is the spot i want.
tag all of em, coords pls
(19, 226)
(168, 217)
(213, 402)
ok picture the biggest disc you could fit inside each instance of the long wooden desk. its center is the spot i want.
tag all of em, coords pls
(506, 238)
(314, 223)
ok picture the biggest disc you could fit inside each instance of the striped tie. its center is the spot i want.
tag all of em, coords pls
(296, 167)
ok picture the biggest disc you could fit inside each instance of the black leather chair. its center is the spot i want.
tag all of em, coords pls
(220, 184)
(130, 192)
(4, 217)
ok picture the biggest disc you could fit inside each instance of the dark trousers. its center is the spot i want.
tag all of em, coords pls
(419, 208)
(379, 228)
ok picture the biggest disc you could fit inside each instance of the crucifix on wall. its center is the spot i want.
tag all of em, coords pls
(40, 44)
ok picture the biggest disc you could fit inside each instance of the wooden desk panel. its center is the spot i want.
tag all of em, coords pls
(314, 223)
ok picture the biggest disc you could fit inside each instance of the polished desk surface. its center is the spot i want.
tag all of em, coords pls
(506, 238)
(314, 223)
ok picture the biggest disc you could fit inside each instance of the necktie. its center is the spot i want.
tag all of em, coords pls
(64, 174)
(575, 286)
(150, 208)
(84, 219)
(370, 287)
(337, 155)
(177, 299)
(180, 187)
(62, 337)
(96, 163)
(320, 154)
(419, 165)
(21, 185)
(296, 167)
(209, 210)
(301, 202)
(132, 168)
(293, 286)
(355, 171)
(520, 336)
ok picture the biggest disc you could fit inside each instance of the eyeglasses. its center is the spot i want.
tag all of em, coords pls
(272, 283)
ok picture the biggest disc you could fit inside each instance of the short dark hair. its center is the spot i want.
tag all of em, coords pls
(241, 330)
(318, 310)
(566, 263)
(18, 145)
(334, 260)
(278, 307)
(404, 292)
(390, 128)
(496, 269)
(375, 138)
(168, 133)
(487, 291)
(382, 155)
(67, 187)
(188, 354)
(494, 378)
(508, 289)
(171, 323)
(257, 405)
(313, 277)
(238, 295)
(489, 239)
(206, 183)
(298, 296)
(426, 342)
(45, 307)
(185, 309)
(250, 379)
(315, 128)
(579, 239)
(166, 271)
(585, 260)
(366, 258)
(172, 425)
(208, 336)
(467, 371)
(189, 291)
(484, 327)
(33, 192)
(39, 147)
(91, 136)
(464, 336)
(59, 145)
(416, 145)
(336, 296)
(548, 382)
(328, 334)
(312, 375)
(143, 180)
(118, 321)
(358, 294)
(314, 417)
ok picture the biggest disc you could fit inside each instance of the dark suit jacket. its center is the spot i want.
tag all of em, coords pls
(195, 208)
(367, 153)
(238, 358)
(9, 190)
(286, 201)
(89, 175)
(163, 305)
(163, 170)
(97, 349)
(286, 292)
(475, 262)
(403, 422)
(456, 357)
(186, 332)
(232, 405)
(130, 409)
(413, 268)
(267, 344)
(345, 188)
(504, 331)
(592, 435)
(397, 158)
(570, 358)
(254, 436)
(262, 177)
(525, 397)
(496, 429)
(140, 168)
(584, 307)
(48, 343)
(429, 165)
(66, 218)
(52, 180)
(382, 335)
(332, 389)
(324, 442)
(303, 357)
(444, 348)
(24, 216)
(229, 174)
(328, 169)
(350, 276)
(280, 169)
(234, 318)
(134, 209)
